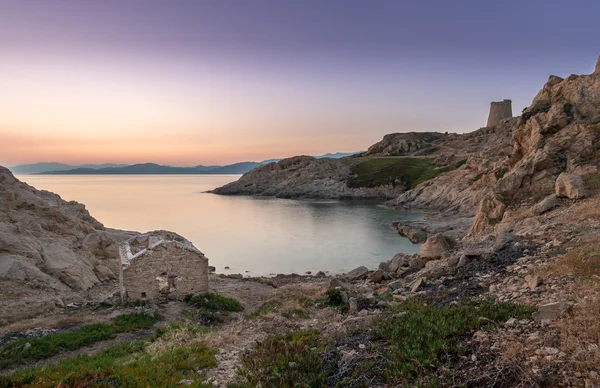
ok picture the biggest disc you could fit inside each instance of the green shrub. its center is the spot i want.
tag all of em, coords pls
(335, 298)
(125, 365)
(214, 302)
(50, 345)
(288, 360)
(418, 338)
(213, 308)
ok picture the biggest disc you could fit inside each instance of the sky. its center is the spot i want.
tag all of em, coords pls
(190, 82)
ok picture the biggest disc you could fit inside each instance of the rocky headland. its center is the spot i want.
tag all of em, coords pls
(504, 291)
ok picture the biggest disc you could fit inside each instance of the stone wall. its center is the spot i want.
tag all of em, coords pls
(161, 266)
(499, 110)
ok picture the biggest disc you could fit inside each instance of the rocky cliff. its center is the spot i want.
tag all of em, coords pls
(49, 249)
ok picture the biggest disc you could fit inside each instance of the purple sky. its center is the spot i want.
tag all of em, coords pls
(199, 82)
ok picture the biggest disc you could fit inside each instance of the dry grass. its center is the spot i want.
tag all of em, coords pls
(55, 321)
(583, 262)
(580, 333)
(580, 329)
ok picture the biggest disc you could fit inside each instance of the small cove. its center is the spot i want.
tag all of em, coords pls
(251, 236)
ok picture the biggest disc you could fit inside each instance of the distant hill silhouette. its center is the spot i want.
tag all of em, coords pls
(147, 168)
(53, 166)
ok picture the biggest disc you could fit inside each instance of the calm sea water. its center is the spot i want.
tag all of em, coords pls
(252, 236)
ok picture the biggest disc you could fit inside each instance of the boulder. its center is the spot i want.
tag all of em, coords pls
(396, 285)
(434, 248)
(399, 260)
(534, 282)
(546, 204)
(417, 284)
(415, 263)
(376, 277)
(551, 311)
(569, 186)
(414, 234)
(490, 211)
(597, 70)
(384, 266)
(462, 261)
(358, 273)
(338, 283)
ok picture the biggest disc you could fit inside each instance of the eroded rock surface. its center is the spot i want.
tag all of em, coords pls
(50, 249)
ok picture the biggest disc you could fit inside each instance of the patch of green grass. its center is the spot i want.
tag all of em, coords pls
(288, 360)
(557, 252)
(418, 338)
(214, 302)
(125, 365)
(385, 171)
(213, 308)
(49, 345)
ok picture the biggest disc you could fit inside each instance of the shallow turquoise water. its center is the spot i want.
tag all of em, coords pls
(259, 235)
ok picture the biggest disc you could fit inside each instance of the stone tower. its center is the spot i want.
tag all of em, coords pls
(499, 110)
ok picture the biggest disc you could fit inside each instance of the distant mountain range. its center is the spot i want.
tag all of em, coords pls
(43, 167)
(146, 168)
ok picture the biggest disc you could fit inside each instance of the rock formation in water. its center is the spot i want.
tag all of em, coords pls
(306, 177)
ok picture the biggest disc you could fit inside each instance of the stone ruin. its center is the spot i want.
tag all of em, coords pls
(159, 266)
(499, 110)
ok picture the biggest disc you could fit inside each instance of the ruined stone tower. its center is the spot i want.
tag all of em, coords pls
(499, 110)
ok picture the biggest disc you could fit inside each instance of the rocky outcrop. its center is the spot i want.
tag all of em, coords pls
(461, 189)
(50, 249)
(42, 237)
(490, 212)
(435, 248)
(304, 177)
(396, 144)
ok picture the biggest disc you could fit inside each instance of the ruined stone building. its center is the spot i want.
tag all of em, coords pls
(159, 266)
(499, 110)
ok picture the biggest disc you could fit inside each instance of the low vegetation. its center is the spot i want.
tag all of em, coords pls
(288, 306)
(392, 171)
(418, 338)
(125, 365)
(288, 360)
(213, 308)
(30, 349)
(335, 298)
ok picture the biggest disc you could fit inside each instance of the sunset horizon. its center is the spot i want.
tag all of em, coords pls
(219, 83)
